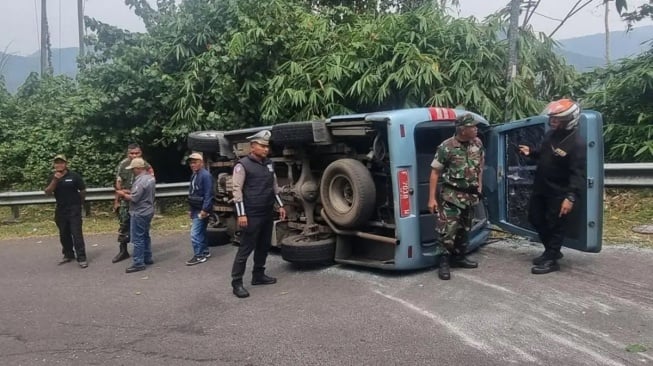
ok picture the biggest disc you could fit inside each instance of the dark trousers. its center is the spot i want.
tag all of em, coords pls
(257, 237)
(543, 214)
(69, 222)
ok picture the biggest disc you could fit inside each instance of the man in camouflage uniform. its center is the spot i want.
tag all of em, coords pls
(458, 164)
(124, 181)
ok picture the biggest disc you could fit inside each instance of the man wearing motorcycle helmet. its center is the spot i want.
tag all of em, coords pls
(559, 179)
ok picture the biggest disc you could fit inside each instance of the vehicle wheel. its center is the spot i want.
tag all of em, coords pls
(292, 133)
(302, 249)
(216, 236)
(204, 141)
(348, 193)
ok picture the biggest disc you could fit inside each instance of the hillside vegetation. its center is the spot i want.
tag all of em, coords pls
(225, 64)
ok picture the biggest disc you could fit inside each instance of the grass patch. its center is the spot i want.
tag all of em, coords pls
(623, 209)
(636, 348)
(38, 220)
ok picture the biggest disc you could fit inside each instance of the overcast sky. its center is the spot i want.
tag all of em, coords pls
(19, 19)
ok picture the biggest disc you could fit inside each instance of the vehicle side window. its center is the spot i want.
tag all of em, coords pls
(520, 171)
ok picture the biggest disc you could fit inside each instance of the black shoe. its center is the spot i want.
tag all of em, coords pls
(65, 260)
(195, 260)
(443, 270)
(544, 256)
(149, 262)
(463, 262)
(240, 291)
(263, 280)
(548, 266)
(83, 263)
(133, 269)
(121, 256)
(206, 255)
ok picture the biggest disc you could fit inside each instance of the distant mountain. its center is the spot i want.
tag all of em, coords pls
(580, 62)
(587, 52)
(15, 69)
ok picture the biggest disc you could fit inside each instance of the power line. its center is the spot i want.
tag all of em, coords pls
(546, 16)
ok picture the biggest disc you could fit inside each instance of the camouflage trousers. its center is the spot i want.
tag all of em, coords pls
(123, 218)
(454, 224)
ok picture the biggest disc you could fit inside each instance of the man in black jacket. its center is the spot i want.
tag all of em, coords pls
(69, 191)
(255, 192)
(559, 180)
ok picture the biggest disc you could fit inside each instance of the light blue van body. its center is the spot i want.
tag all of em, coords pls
(415, 234)
(394, 151)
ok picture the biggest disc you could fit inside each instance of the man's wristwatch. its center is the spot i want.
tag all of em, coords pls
(571, 198)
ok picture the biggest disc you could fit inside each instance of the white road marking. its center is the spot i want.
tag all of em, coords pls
(437, 319)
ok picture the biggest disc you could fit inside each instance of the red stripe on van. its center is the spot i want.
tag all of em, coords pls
(442, 114)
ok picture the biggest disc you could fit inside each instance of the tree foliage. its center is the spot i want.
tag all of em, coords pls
(644, 11)
(624, 94)
(224, 64)
(45, 118)
(417, 58)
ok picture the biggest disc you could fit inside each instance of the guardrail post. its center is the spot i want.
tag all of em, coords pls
(15, 212)
(86, 209)
(159, 206)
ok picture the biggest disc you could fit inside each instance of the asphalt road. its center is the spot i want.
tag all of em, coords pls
(171, 314)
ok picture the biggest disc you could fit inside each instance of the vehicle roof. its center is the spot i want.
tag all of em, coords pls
(417, 114)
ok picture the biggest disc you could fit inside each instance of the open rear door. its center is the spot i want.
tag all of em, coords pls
(508, 191)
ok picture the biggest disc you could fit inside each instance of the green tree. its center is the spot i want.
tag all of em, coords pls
(44, 118)
(644, 11)
(623, 92)
(418, 58)
(191, 70)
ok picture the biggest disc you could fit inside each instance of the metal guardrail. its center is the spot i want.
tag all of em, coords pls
(17, 199)
(616, 175)
(628, 175)
(92, 194)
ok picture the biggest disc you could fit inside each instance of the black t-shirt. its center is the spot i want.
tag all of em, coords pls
(67, 190)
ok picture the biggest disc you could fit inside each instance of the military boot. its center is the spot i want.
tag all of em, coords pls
(238, 289)
(443, 269)
(122, 254)
(460, 261)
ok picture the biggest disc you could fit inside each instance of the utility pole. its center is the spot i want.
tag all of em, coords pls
(44, 36)
(80, 25)
(606, 24)
(513, 35)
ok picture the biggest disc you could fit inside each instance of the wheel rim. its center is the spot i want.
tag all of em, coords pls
(341, 193)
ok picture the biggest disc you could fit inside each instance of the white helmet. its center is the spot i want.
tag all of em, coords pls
(565, 110)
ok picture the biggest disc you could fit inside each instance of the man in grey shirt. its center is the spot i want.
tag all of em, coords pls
(141, 210)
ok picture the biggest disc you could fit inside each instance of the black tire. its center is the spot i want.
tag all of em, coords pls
(216, 236)
(301, 249)
(204, 141)
(348, 193)
(292, 133)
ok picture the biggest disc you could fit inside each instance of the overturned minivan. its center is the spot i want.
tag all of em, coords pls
(355, 187)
